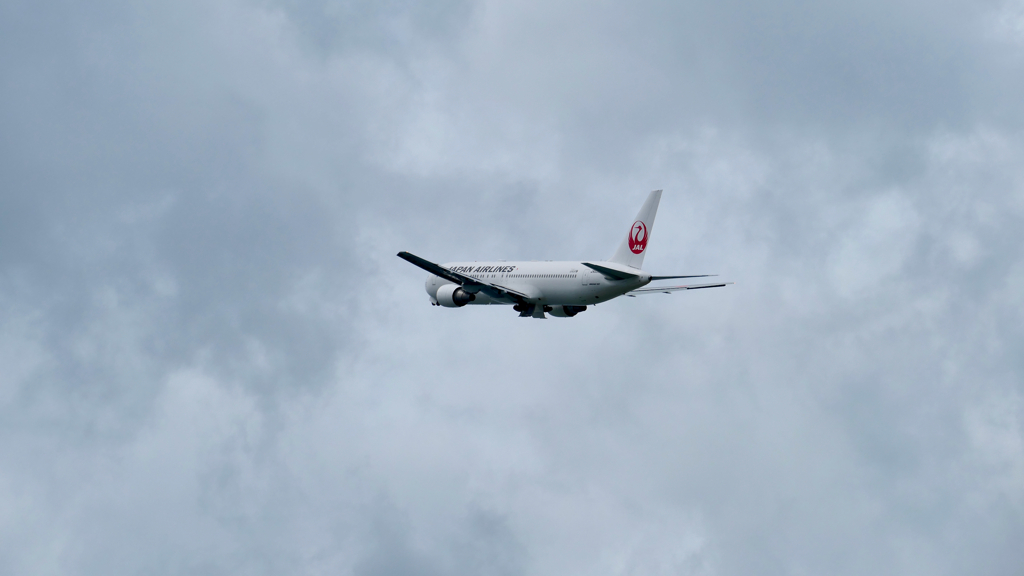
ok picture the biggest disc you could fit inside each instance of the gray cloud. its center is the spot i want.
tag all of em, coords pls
(213, 362)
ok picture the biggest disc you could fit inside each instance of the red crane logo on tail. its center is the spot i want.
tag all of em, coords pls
(638, 237)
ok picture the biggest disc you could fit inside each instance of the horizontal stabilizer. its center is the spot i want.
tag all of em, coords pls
(653, 278)
(610, 272)
(671, 289)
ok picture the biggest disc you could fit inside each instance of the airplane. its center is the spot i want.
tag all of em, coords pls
(562, 289)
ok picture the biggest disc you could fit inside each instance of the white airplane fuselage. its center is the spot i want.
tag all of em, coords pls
(563, 288)
(550, 283)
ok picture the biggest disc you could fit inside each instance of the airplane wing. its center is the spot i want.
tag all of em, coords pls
(468, 283)
(671, 289)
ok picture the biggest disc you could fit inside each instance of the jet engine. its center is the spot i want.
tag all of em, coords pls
(564, 311)
(453, 296)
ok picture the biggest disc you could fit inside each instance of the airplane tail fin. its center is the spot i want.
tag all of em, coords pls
(634, 245)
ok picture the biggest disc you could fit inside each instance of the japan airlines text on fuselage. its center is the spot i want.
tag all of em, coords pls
(562, 289)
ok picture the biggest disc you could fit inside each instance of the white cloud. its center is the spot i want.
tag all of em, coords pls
(213, 362)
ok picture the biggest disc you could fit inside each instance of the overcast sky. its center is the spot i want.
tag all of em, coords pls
(211, 361)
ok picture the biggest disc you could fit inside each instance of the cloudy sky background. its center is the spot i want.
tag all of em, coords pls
(213, 363)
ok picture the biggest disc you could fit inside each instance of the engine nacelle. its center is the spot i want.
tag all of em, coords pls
(564, 311)
(453, 296)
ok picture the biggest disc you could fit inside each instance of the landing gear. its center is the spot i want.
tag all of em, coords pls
(532, 310)
(537, 310)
